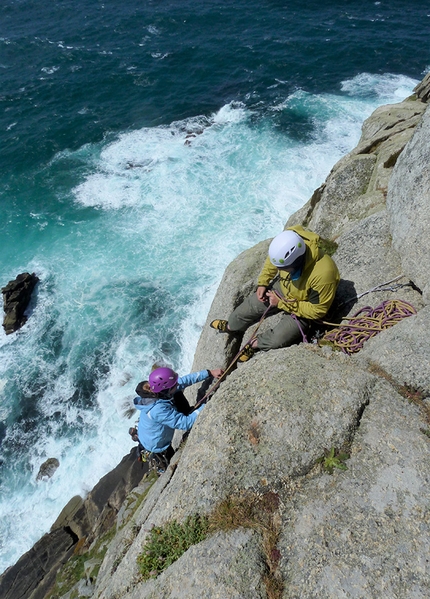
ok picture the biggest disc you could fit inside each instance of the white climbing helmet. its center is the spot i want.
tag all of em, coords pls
(286, 248)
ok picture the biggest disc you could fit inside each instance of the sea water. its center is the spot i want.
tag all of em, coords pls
(143, 149)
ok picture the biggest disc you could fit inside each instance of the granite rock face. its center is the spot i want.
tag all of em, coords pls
(342, 442)
(365, 532)
(35, 571)
(408, 206)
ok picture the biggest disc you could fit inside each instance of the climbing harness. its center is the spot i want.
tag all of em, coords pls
(293, 316)
(365, 324)
(157, 462)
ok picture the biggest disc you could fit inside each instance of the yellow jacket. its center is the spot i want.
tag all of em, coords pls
(312, 294)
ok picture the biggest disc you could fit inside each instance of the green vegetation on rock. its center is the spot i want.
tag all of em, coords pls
(74, 570)
(167, 543)
(327, 246)
(333, 459)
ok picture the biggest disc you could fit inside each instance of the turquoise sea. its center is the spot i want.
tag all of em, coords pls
(143, 146)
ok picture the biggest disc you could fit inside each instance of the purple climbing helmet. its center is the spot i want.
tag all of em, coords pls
(162, 379)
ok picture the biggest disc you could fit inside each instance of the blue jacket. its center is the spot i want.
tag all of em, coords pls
(159, 419)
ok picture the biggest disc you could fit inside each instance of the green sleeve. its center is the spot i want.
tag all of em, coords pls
(307, 309)
(268, 273)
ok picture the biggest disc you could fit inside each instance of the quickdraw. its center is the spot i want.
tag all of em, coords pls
(156, 461)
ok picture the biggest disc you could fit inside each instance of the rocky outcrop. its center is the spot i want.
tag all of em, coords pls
(16, 298)
(422, 90)
(47, 469)
(80, 523)
(339, 444)
(358, 184)
(35, 571)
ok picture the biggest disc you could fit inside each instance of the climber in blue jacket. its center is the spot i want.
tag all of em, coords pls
(164, 408)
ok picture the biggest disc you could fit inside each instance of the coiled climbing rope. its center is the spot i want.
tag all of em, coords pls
(367, 323)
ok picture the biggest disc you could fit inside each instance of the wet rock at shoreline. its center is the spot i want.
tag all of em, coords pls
(47, 469)
(16, 298)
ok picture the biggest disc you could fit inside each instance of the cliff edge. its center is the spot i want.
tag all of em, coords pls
(311, 466)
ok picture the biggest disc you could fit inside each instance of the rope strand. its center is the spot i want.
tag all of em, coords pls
(367, 323)
(364, 325)
(234, 360)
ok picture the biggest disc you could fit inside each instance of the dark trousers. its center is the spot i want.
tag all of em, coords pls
(285, 333)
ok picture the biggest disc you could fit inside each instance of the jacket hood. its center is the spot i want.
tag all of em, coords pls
(311, 239)
(148, 400)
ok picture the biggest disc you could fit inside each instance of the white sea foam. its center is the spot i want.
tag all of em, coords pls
(387, 87)
(49, 70)
(235, 112)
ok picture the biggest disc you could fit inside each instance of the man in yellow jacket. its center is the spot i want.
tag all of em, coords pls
(297, 279)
